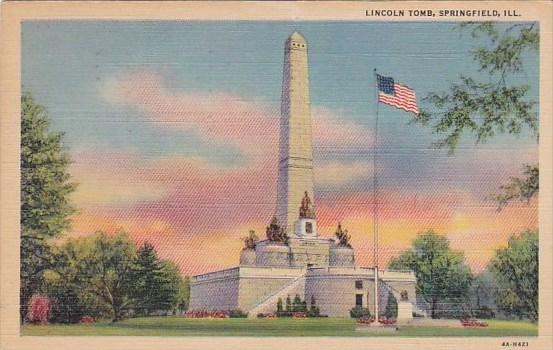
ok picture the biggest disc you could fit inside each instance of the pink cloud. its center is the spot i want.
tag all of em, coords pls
(226, 118)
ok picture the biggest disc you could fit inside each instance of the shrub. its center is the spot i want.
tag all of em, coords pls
(484, 312)
(279, 305)
(38, 310)
(284, 314)
(391, 307)
(314, 312)
(358, 312)
(237, 313)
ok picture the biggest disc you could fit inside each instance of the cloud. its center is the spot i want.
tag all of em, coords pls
(225, 118)
(334, 173)
(114, 178)
(332, 131)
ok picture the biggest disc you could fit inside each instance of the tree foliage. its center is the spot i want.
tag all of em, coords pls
(483, 291)
(183, 296)
(45, 189)
(156, 282)
(102, 271)
(496, 105)
(523, 189)
(107, 276)
(516, 269)
(443, 279)
(391, 306)
(98, 275)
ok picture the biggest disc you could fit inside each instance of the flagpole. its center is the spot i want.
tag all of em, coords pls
(375, 201)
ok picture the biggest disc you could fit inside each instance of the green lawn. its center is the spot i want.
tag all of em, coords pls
(178, 326)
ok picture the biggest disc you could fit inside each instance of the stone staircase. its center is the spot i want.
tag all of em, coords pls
(267, 305)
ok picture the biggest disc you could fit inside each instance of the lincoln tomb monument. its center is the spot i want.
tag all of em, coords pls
(294, 259)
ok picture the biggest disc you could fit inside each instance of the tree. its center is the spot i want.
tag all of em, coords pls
(443, 279)
(391, 306)
(288, 304)
(45, 189)
(482, 294)
(523, 189)
(313, 304)
(183, 296)
(106, 264)
(156, 282)
(516, 269)
(296, 304)
(497, 104)
(107, 276)
(303, 306)
(63, 283)
(279, 306)
(313, 308)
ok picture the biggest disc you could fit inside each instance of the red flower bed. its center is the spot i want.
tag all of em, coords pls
(473, 323)
(207, 314)
(365, 320)
(299, 315)
(87, 320)
(387, 321)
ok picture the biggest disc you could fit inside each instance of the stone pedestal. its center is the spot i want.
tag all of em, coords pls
(404, 311)
(247, 257)
(342, 257)
(272, 254)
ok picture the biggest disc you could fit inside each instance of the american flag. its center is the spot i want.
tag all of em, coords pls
(396, 95)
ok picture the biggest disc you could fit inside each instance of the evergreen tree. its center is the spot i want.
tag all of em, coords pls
(391, 306)
(45, 189)
(296, 304)
(279, 306)
(288, 304)
(303, 307)
(156, 282)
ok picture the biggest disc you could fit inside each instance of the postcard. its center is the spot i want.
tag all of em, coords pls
(276, 174)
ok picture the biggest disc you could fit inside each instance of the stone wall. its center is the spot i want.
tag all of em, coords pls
(335, 289)
(258, 288)
(215, 290)
(270, 254)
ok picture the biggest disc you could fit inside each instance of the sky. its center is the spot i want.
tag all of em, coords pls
(173, 132)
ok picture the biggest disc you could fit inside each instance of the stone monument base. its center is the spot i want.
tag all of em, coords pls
(404, 311)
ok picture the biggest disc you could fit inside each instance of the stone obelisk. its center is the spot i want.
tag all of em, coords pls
(295, 168)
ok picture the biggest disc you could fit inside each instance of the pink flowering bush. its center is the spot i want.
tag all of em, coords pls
(38, 310)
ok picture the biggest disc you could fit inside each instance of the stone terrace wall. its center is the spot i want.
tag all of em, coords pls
(215, 290)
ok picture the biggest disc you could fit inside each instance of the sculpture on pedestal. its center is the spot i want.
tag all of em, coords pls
(275, 233)
(250, 241)
(343, 237)
(306, 209)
